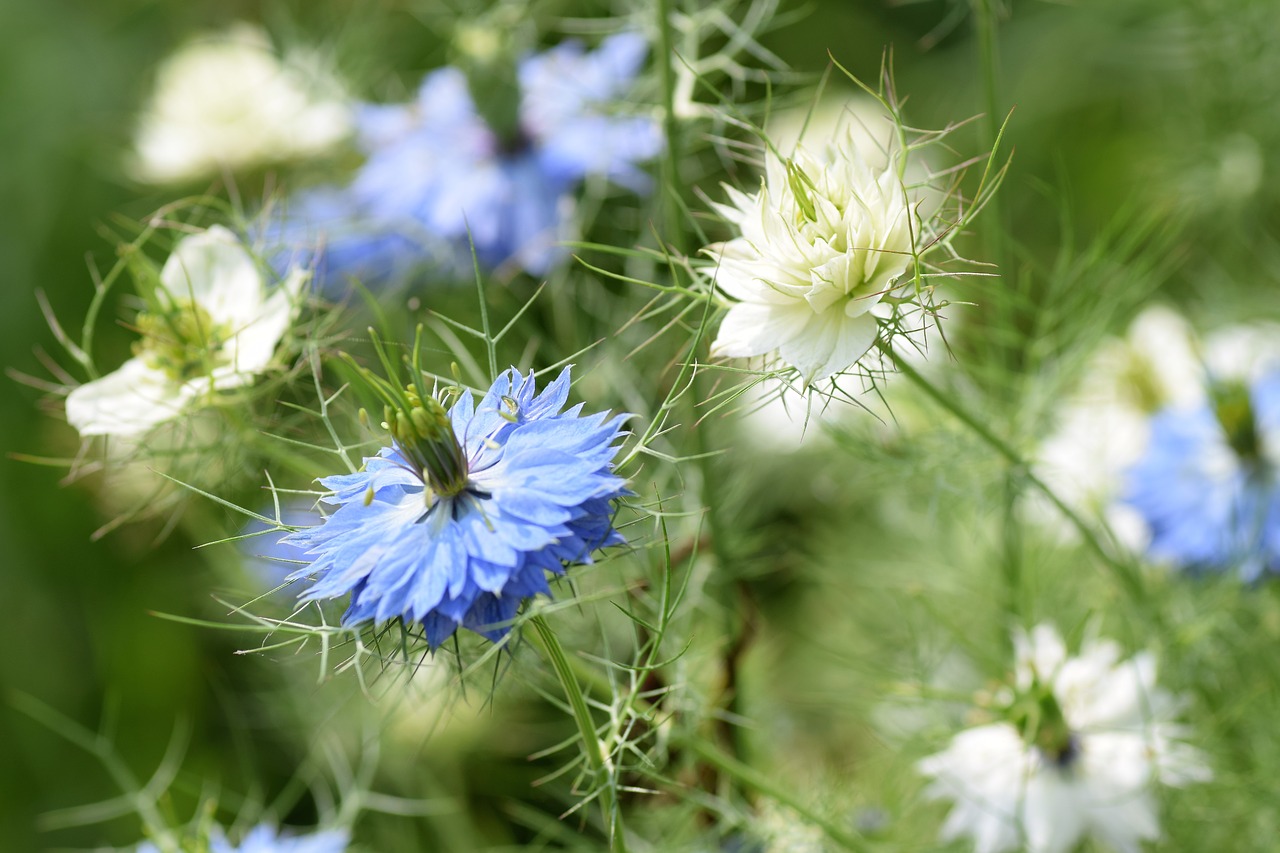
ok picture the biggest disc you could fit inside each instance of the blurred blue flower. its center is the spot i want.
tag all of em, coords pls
(532, 491)
(437, 177)
(1208, 484)
(266, 839)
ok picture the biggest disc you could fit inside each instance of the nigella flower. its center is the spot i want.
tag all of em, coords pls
(211, 325)
(266, 839)
(440, 174)
(226, 101)
(462, 517)
(1208, 485)
(1077, 752)
(825, 240)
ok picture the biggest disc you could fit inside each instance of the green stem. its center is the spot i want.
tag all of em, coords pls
(1125, 571)
(985, 25)
(672, 226)
(745, 775)
(587, 729)
(1012, 553)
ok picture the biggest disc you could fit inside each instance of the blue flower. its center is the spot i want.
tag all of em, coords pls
(436, 177)
(462, 517)
(1208, 484)
(266, 839)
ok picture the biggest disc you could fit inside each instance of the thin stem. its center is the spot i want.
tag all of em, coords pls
(745, 775)
(673, 231)
(1125, 571)
(1013, 487)
(986, 26)
(586, 728)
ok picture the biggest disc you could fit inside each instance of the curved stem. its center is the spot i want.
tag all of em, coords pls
(586, 729)
(1125, 571)
(673, 232)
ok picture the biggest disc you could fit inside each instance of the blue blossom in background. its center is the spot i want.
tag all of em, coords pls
(1208, 484)
(438, 177)
(266, 839)
(459, 520)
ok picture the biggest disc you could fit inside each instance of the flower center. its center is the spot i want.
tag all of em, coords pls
(802, 187)
(426, 437)
(1039, 718)
(487, 52)
(183, 341)
(1234, 411)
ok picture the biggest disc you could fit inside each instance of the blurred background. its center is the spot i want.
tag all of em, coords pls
(1145, 136)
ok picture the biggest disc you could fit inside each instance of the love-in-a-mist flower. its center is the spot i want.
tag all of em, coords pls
(1208, 484)
(1076, 750)
(226, 101)
(211, 325)
(495, 168)
(823, 242)
(466, 513)
(267, 839)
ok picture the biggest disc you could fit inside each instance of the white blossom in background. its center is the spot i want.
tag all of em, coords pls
(211, 326)
(1076, 750)
(1104, 425)
(785, 419)
(226, 101)
(823, 243)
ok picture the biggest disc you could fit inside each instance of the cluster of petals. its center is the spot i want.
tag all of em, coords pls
(226, 101)
(213, 272)
(1009, 795)
(437, 179)
(539, 495)
(822, 243)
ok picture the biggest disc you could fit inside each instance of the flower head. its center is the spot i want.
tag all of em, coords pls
(822, 243)
(1208, 484)
(439, 175)
(1081, 743)
(227, 101)
(461, 518)
(211, 326)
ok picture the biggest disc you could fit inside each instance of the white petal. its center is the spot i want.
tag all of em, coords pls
(127, 402)
(754, 329)
(252, 347)
(213, 269)
(829, 343)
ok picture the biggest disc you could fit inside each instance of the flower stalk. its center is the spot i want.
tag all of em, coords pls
(591, 747)
(1125, 571)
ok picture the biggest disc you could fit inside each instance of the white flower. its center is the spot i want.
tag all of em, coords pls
(226, 101)
(823, 242)
(212, 327)
(1084, 741)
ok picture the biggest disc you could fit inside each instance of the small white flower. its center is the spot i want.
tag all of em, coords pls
(823, 242)
(226, 101)
(212, 327)
(1083, 743)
